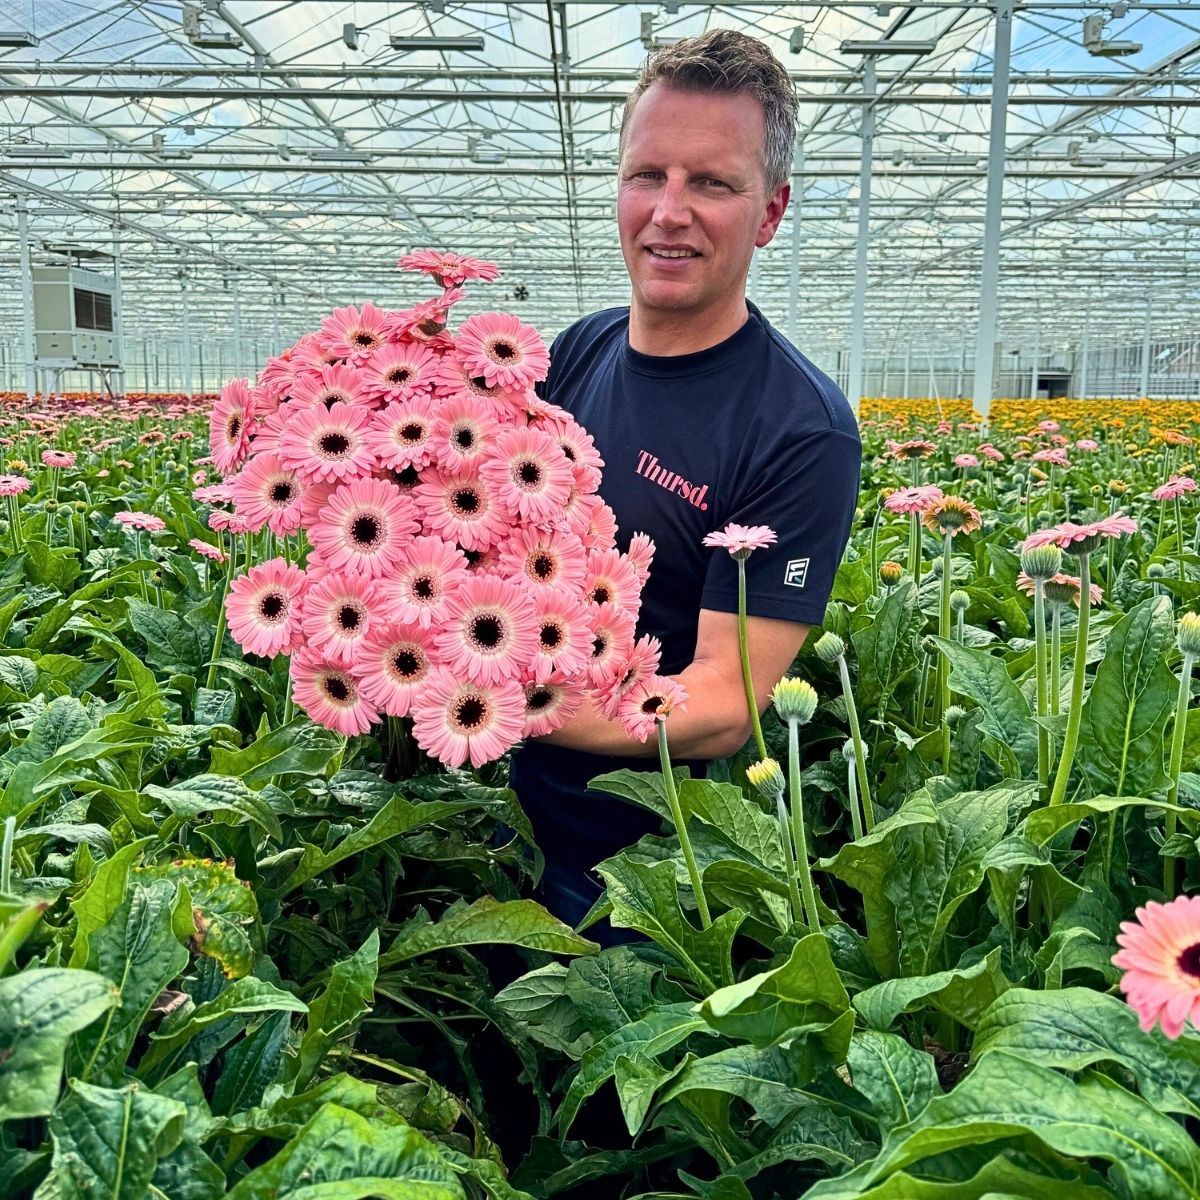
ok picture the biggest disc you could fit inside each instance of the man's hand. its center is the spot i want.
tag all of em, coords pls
(717, 722)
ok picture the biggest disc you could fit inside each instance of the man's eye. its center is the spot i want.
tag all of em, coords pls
(716, 183)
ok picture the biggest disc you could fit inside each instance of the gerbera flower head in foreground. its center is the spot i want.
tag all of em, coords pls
(950, 516)
(1175, 487)
(1160, 957)
(912, 499)
(1081, 539)
(740, 540)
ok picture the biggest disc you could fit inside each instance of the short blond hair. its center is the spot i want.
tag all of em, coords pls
(726, 62)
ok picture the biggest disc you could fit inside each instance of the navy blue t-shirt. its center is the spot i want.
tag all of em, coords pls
(748, 431)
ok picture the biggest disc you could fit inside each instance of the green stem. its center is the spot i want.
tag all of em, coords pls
(860, 758)
(6, 853)
(1039, 625)
(14, 934)
(1056, 663)
(1177, 740)
(744, 651)
(874, 552)
(943, 661)
(813, 916)
(219, 637)
(1179, 539)
(789, 861)
(852, 790)
(685, 842)
(922, 691)
(1078, 671)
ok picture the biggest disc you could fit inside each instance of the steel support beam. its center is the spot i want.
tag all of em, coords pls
(185, 347)
(858, 306)
(1144, 382)
(796, 243)
(118, 310)
(27, 348)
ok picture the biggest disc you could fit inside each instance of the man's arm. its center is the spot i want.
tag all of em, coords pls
(717, 722)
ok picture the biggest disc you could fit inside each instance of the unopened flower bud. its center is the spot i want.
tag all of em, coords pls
(1156, 571)
(1038, 474)
(959, 600)
(79, 505)
(890, 573)
(1118, 487)
(935, 568)
(1041, 562)
(954, 715)
(829, 647)
(794, 700)
(766, 777)
(1188, 634)
(51, 506)
(848, 750)
(929, 646)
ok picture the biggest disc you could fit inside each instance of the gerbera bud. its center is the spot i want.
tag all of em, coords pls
(1038, 474)
(1041, 562)
(51, 506)
(885, 492)
(890, 573)
(1188, 634)
(794, 700)
(766, 777)
(79, 505)
(1118, 487)
(829, 647)
(848, 750)
(1156, 571)
(959, 600)
(929, 646)
(954, 715)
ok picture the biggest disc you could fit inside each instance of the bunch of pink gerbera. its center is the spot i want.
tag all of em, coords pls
(460, 570)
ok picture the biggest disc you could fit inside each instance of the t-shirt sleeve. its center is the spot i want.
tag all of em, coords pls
(807, 496)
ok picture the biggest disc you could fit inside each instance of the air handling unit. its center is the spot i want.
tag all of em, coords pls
(76, 313)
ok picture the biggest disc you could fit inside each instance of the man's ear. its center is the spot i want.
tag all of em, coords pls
(776, 207)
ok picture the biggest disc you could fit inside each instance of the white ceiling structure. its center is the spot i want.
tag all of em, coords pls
(288, 152)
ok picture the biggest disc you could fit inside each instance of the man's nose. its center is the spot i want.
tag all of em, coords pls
(672, 209)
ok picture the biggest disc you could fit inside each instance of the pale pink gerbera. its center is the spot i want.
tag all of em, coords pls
(641, 555)
(230, 426)
(549, 705)
(642, 664)
(310, 354)
(401, 434)
(610, 579)
(564, 634)
(429, 569)
(140, 520)
(649, 700)
(1057, 457)
(426, 321)
(330, 694)
(354, 333)
(463, 434)
(267, 493)
(489, 630)
(502, 350)
(990, 451)
(913, 499)
(393, 663)
(577, 444)
(455, 719)
(592, 519)
(455, 382)
(449, 269)
(740, 540)
(1160, 955)
(530, 473)
(364, 527)
(612, 642)
(1175, 487)
(1060, 587)
(544, 558)
(462, 508)
(330, 386)
(339, 613)
(264, 608)
(1048, 426)
(58, 458)
(966, 461)
(1081, 539)
(208, 550)
(14, 485)
(400, 371)
(328, 444)
(1088, 444)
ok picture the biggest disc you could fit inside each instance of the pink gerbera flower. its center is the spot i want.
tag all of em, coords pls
(1088, 444)
(267, 493)
(1048, 426)
(740, 540)
(208, 550)
(642, 664)
(328, 444)
(530, 474)
(640, 555)
(426, 321)
(610, 579)
(1160, 955)
(330, 694)
(264, 608)
(913, 499)
(393, 663)
(463, 434)
(455, 382)
(564, 634)
(591, 519)
(401, 434)
(449, 269)
(966, 461)
(1056, 457)
(489, 630)
(140, 520)
(364, 527)
(549, 705)
(462, 508)
(577, 444)
(1081, 539)
(58, 458)
(917, 448)
(1060, 587)
(230, 426)
(502, 350)
(354, 333)
(309, 355)
(400, 371)
(990, 451)
(1175, 487)
(648, 701)
(428, 571)
(612, 642)
(455, 719)
(339, 612)
(14, 485)
(330, 386)
(545, 558)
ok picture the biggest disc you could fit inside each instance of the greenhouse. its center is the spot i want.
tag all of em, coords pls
(599, 600)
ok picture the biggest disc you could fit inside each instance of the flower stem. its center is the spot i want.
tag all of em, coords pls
(685, 842)
(1177, 739)
(1078, 671)
(943, 661)
(860, 758)
(1056, 662)
(813, 916)
(852, 790)
(744, 651)
(789, 861)
(873, 561)
(219, 636)
(1179, 539)
(6, 852)
(1039, 626)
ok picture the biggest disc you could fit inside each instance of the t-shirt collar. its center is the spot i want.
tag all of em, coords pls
(676, 365)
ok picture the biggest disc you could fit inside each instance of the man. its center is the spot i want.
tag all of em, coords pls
(703, 414)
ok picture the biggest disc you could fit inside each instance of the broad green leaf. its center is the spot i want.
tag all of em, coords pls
(250, 1066)
(537, 1002)
(1126, 712)
(298, 748)
(18, 673)
(735, 818)
(39, 1011)
(813, 1134)
(214, 706)
(643, 788)
(898, 1079)
(1000, 1179)
(1073, 1028)
(187, 1173)
(646, 898)
(48, 626)
(218, 793)
(638, 1081)
(489, 921)
(63, 721)
(1045, 823)
(107, 1142)
(171, 643)
(95, 908)
(340, 1155)
(335, 1012)
(613, 988)
(963, 993)
(887, 649)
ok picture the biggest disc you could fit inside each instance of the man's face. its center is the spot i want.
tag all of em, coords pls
(692, 201)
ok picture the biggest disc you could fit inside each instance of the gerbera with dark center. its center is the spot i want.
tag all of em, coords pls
(354, 333)
(531, 474)
(398, 371)
(267, 493)
(455, 719)
(502, 350)
(641, 664)
(328, 444)
(564, 634)
(392, 663)
(339, 613)
(612, 642)
(610, 579)
(428, 571)
(647, 702)
(544, 558)
(364, 527)
(461, 507)
(230, 426)
(1160, 955)
(330, 695)
(463, 434)
(578, 446)
(489, 630)
(401, 433)
(330, 386)
(264, 608)
(549, 705)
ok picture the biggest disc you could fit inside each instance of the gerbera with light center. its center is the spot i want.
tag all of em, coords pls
(502, 350)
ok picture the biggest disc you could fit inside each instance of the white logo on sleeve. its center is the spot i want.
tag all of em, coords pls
(796, 572)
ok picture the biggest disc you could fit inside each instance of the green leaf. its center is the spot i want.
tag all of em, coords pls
(95, 908)
(20, 674)
(813, 1134)
(1126, 712)
(251, 1066)
(107, 1142)
(1073, 1028)
(40, 1009)
(983, 677)
(489, 921)
(645, 897)
(340, 1155)
(963, 993)
(898, 1079)
(298, 748)
(613, 988)
(887, 649)
(217, 793)
(537, 1003)
(171, 643)
(214, 706)
(1045, 823)
(63, 721)
(643, 788)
